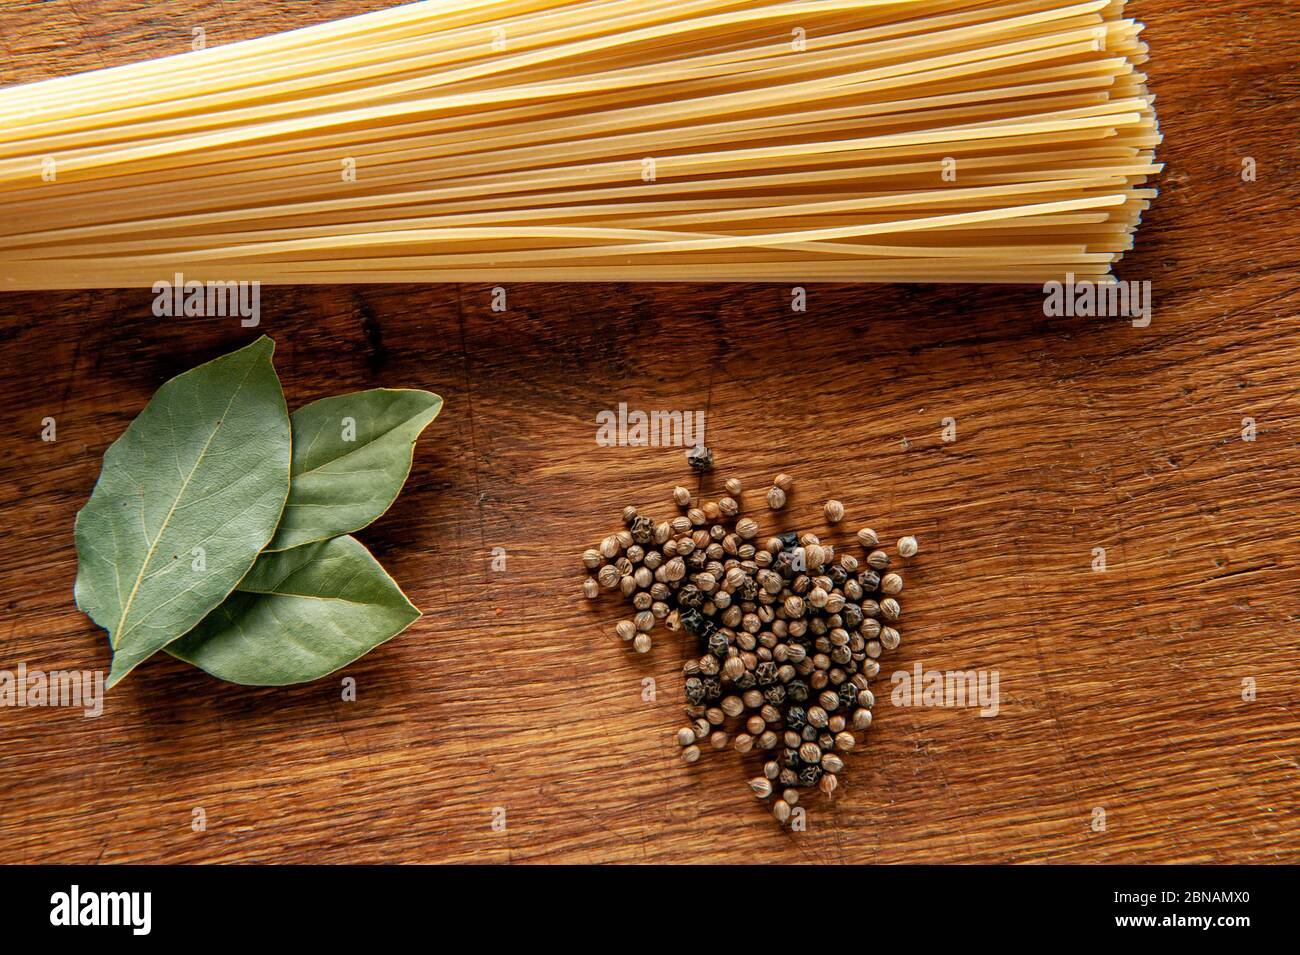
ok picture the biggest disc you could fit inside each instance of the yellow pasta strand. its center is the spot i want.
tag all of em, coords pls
(597, 140)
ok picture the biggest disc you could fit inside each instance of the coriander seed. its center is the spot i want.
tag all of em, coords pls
(761, 787)
(592, 559)
(691, 754)
(877, 560)
(642, 643)
(590, 588)
(890, 638)
(775, 498)
(868, 538)
(681, 497)
(891, 584)
(746, 528)
(733, 487)
(834, 511)
(781, 811)
(685, 736)
(907, 547)
(784, 482)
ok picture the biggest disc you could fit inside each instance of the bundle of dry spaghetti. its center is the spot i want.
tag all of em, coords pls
(597, 140)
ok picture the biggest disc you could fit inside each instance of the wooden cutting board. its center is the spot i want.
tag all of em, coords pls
(1121, 691)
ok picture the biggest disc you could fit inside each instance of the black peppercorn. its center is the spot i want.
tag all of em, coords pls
(765, 672)
(870, 580)
(789, 540)
(712, 687)
(784, 564)
(852, 616)
(643, 530)
(700, 458)
(848, 694)
(796, 718)
(790, 758)
(694, 691)
(797, 691)
(809, 775)
(696, 560)
(809, 734)
(719, 645)
(838, 575)
(748, 589)
(690, 596)
(694, 622)
(745, 681)
(775, 694)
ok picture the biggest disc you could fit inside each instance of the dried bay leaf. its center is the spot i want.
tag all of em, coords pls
(300, 614)
(351, 456)
(186, 499)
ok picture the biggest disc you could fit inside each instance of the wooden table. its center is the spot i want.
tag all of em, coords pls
(1121, 690)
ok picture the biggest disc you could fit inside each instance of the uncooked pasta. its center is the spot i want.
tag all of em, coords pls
(597, 140)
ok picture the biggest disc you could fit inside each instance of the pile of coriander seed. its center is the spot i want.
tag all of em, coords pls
(789, 633)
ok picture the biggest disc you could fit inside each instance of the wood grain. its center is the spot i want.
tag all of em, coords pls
(1121, 690)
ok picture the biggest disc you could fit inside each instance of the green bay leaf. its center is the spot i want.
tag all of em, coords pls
(351, 456)
(186, 499)
(299, 614)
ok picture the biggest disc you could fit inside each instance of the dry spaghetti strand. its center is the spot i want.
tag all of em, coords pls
(597, 140)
